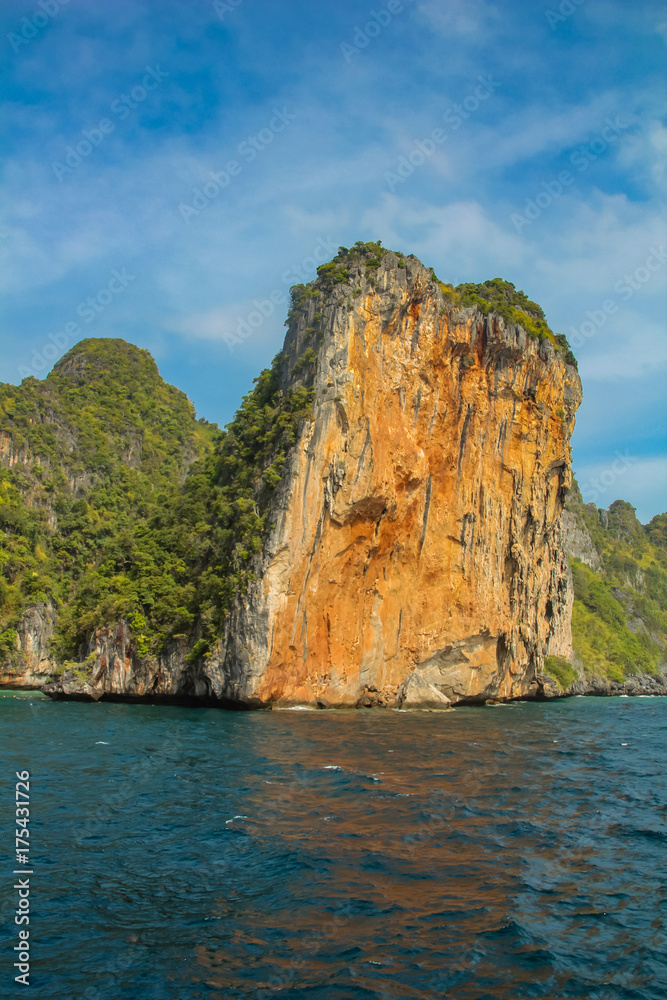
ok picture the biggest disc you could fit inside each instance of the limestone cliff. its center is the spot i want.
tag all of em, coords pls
(411, 553)
(416, 530)
(30, 664)
(578, 543)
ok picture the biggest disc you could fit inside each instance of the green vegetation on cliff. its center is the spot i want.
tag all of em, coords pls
(127, 506)
(561, 670)
(236, 481)
(619, 620)
(96, 450)
(116, 502)
(502, 298)
(493, 296)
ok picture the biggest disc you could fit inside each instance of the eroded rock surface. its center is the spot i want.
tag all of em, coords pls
(32, 664)
(415, 554)
(577, 541)
(417, 529)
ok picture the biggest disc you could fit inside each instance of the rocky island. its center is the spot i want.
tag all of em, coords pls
(390, 520)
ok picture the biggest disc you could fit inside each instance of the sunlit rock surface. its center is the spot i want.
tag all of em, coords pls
(417, 531)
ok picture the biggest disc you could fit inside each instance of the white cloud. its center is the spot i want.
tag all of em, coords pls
(460, 233)
(247, 328)
(537, 129)
(644, 155)
(627, 346)
(472, 19)
(583, 246)
(213, 324)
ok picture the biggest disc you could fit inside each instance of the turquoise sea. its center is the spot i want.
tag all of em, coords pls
(481, 854)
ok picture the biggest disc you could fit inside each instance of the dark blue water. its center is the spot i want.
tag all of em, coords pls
(179, 853)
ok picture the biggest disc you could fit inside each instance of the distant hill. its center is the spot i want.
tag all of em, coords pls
(619, 620)
(90, 459)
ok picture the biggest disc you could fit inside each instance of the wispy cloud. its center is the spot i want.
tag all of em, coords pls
(324, 176)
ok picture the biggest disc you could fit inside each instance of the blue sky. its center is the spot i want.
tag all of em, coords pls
(549, 173)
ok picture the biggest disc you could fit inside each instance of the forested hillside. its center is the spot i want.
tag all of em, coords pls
(91, 460)
(619, 620)
(115, 502)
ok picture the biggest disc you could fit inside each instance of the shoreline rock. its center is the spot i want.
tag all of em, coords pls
(415, 694)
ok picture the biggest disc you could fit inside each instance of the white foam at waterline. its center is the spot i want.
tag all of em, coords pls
(332, 767)
(295, 708)
(101, 743)
(228, 821)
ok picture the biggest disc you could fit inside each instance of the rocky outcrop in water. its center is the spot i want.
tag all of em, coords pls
(602, 687)
(414, 554)
(31, 664)
(415, 549)
(112, 667)
(416, 532)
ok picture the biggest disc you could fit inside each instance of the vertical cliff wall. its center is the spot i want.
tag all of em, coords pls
(407, 532)
(415, 545)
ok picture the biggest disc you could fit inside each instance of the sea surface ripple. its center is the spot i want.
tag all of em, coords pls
(482, 854)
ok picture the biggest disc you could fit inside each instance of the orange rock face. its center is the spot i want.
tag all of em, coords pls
(416, 540)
